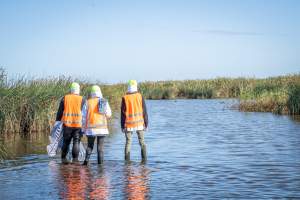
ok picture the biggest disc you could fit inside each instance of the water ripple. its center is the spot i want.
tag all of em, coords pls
(198, 149)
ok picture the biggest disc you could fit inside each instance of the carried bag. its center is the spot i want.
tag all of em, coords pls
(55, 138)
(56, 142)
(102, 105)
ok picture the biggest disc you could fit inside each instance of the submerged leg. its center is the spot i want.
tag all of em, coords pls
(66, 142)
(76, 141)
(142, 145)
(100, 146)
(128, 145)
(89, 149)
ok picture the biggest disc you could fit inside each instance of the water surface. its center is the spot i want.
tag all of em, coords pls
(198, 149)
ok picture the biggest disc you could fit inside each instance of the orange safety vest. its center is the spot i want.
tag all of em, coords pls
(94, 118)
(134, 110)
(72, 111)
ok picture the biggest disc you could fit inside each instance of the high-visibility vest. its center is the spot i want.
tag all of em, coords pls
(94, 118)
(134, 110)
(72, 111)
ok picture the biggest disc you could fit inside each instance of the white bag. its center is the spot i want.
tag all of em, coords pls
(56, 143)
(56, 138)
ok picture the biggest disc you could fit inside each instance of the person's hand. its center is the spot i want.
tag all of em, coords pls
(145, 129)
(123, 130)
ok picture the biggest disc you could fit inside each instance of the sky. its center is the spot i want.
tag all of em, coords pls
(113, 41)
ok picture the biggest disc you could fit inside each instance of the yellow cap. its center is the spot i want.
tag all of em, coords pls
(132, 83)
(74, 86)
(95, 88)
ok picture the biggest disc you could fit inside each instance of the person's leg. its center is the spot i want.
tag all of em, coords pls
(100, 145)
(143, 145)
(128, 145)
(76, 140)
(67, 137)
(89, 149)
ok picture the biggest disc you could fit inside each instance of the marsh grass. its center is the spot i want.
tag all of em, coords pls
(31, 105)
(3, 153)
(280, 95)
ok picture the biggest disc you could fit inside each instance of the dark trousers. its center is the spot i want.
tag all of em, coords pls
(69, 134)
(100, 145)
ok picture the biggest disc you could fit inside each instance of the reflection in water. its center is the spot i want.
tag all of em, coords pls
(295, 118)
(86, 182)
(100, 187)
(75, 182)
(136, 182)
(223, 154)
(78, 182)
(17, 145)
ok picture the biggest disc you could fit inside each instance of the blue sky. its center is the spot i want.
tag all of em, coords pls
(113, 41)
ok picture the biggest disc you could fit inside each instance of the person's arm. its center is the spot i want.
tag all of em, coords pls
(123, 113)
(145, 114)
(60, 111)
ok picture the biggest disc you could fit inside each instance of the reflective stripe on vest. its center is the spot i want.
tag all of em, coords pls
(134, 110)
(135, 115)
(94, 118)
(72, 116)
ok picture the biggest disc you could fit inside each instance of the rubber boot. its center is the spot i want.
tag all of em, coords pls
(144, 154)
(64, 161)
(100, 152)
(85, 163)
(87, 156)
(75, 149)
(127, 156)
(75, 161)
(100, 158)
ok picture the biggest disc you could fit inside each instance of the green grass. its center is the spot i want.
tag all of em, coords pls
(280, 95)
(31, 105)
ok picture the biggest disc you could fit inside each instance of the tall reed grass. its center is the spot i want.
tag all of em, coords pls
(31, 105)
(280, 95)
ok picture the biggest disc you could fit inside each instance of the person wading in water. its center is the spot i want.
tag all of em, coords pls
(70, 113)
(134, 118)
(95, 114)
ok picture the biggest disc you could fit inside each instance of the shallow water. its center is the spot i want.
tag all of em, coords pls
(198, 149)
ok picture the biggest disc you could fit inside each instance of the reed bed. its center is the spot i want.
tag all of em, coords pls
(3, 153)
(280, 95)
(31, 105)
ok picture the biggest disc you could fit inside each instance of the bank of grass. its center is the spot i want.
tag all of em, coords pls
(280, 95)
(3, 153)
(31, 105)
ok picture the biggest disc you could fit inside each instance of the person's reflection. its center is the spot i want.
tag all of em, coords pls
(136, 182)
(75, 179)
(99, 186)
(78, 182)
